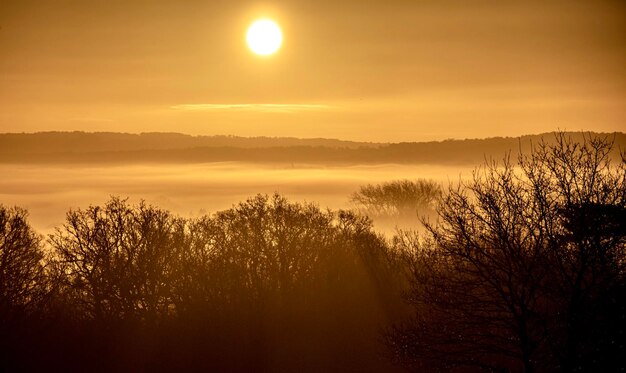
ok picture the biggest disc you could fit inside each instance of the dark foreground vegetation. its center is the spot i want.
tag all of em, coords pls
(523, 271)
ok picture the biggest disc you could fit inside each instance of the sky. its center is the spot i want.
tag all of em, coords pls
(359, 70)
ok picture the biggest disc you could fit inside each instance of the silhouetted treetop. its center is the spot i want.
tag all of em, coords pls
(22, 277)
(118, 259)
(397, 198)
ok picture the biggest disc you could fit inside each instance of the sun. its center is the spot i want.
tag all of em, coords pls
(264, 37)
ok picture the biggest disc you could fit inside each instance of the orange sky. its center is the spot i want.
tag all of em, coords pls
(364, 70)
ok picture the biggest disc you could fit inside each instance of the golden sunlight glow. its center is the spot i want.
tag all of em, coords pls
(264, 37)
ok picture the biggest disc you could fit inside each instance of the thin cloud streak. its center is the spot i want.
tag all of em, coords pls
(88, 119)
(267, 108)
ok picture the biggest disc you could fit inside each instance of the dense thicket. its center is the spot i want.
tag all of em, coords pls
(524, 271)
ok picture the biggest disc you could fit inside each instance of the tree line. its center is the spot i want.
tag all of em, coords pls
(253, 288)
(523, 270)
(171, 148)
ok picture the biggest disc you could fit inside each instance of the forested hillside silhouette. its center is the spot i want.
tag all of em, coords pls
(523, 271)
(105, 148)
(78, 141)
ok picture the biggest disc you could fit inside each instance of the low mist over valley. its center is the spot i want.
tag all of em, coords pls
(48, 173)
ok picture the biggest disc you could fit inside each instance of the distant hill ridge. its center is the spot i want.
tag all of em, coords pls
(104, 147)
(48, 142)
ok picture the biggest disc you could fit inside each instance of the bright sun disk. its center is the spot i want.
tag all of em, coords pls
(264, 37)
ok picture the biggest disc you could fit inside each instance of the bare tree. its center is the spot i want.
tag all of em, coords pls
(515, 273)
(277, 278)
(117, 260)
(22, 275)
(270, 248)
(580, 196)
(399, 198)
